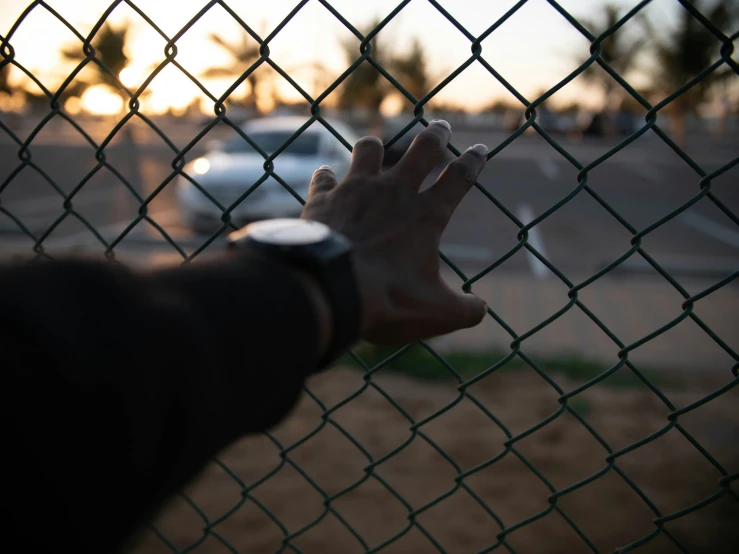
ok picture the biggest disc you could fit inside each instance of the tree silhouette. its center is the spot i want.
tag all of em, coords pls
(367, 88)
(110, 46)
(411, 70)
(244, 55)
(620, 52)
(364, 87)
(687, 50)
(4, 81)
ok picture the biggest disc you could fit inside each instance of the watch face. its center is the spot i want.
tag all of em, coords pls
(288, 232)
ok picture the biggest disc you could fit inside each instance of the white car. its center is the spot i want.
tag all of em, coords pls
(232, 168)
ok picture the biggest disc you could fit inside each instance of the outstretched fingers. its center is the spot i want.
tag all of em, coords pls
(426, 150)
(454, 182)
(367, 156)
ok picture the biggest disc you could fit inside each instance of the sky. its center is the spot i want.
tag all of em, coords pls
(533, 50)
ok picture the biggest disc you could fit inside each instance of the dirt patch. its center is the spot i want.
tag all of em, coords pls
(432, 471)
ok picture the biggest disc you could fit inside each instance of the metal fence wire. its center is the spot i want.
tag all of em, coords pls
(364, 55)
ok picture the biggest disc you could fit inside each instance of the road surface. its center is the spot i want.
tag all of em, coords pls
(642, 183)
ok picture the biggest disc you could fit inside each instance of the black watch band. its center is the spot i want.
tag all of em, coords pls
(329, 263)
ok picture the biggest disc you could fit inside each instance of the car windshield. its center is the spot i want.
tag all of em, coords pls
(304, 145)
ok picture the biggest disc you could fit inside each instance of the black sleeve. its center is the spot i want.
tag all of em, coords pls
(121, 386)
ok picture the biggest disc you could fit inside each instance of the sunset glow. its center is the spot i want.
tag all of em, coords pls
(533, 50)
(101, 100)
(131, 76)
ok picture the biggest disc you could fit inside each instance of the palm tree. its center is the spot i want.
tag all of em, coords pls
(110, 46)
(4, 84)
(367, 88)
(315, 76)
(687, 50)
(619, 51)
(411, 70)
(244, 55)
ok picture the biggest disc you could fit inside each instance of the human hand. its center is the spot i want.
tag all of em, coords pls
(395, 230)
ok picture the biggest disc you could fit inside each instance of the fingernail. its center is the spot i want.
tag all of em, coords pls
(480, 149)
(325, 167)
(441, 122)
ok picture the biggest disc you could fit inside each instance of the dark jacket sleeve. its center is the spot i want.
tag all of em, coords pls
(121, 386)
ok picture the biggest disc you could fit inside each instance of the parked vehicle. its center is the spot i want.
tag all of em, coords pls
(229, 169)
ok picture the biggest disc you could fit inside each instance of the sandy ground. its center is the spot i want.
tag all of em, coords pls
(399, 470)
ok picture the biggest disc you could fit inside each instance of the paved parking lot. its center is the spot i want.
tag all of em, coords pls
(642, 183)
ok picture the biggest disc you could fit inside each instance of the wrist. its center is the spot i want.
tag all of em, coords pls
(321, 261)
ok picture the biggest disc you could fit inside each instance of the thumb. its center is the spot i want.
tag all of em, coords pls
(464, 310)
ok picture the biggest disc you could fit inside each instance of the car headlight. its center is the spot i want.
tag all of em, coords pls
(201, 166)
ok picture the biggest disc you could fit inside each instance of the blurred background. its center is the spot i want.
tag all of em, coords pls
(85, 170)
(180, 88)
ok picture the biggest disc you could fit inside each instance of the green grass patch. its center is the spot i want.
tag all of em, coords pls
(581, 405)
(416, 361)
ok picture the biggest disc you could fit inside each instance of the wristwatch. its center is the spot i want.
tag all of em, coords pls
(323, 254)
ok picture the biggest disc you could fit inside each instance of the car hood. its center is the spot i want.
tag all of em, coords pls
(236, 169)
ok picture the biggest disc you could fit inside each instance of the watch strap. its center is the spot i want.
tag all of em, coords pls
(330, 264)
(338, 283)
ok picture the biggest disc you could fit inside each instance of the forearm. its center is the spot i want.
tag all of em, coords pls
(136, 381)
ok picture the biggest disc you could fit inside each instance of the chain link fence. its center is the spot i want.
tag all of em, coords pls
(555, 495)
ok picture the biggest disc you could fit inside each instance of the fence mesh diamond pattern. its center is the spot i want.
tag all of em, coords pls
(28, 162)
